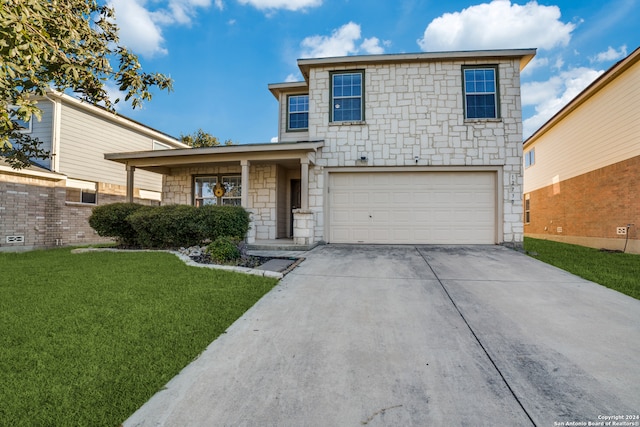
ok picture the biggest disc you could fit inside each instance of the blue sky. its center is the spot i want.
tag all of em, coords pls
(222, 54)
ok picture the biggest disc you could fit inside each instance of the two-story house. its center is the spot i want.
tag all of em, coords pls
(582, 167)
(49, 203)
(406, 148)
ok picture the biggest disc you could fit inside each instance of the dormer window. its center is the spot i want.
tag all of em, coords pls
(298, 112)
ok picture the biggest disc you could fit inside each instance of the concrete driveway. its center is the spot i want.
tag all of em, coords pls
(416, 336)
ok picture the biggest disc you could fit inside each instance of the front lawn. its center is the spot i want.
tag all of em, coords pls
(619, 271)
(86, 339)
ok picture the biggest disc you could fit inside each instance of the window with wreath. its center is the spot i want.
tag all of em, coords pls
(217, 190)
(347, 96)
(480, 92)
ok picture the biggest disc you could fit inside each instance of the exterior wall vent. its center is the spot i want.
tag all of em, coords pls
(14, 239)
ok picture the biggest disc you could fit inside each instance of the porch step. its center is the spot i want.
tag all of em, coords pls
(279, 245)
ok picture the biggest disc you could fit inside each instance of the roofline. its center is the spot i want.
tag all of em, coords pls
(118, 118)
(603, 80)
(28, 171)
(221, 149)
(277, 88)
(526, 56)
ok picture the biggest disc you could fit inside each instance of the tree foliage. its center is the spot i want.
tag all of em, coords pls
(201, 139)
(64, 45)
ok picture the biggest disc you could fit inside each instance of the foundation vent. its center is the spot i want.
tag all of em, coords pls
(14, 239)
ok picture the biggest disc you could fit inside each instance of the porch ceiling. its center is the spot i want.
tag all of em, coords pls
(285, 154)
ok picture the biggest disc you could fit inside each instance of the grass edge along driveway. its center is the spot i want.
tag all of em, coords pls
(86, 339)
(615, 270)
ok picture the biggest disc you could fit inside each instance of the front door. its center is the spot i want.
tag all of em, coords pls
(295, 201)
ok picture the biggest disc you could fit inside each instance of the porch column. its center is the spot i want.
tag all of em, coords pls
(244, 200)
(130, 174)
(244, 192)
(304, 184)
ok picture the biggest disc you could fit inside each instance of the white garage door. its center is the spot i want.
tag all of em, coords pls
(412, 207)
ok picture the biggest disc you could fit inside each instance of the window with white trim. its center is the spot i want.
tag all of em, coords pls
(206, 190)
(298, 112)
(78, 191)
(530, 158)
(232, 190)
(347, 93)
(480, 92)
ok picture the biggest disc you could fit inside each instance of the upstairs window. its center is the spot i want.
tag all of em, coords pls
(298, 107)
(530, 158)
(480, 93)
(347, 96)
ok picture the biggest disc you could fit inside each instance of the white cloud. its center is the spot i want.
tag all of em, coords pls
(219, 4)
(291, 78)
(550, 96)
(292, 5)
(498, 25)
(341, 42)
(536, 63)
(372, 46)
(274, 139)
(610, 54)
(140, 28)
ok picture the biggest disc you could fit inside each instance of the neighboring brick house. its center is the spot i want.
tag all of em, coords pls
(408, 148)
(582, 167)
(48, 204)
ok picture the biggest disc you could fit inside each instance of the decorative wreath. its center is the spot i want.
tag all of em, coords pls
(219, 190)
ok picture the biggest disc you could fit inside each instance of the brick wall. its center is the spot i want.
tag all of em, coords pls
(35, 208)
(587, 209)
(31, 208)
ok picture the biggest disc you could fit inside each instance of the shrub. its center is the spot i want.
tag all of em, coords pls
(111, 221)
(167, 226)
(223, 249)
(220, 221)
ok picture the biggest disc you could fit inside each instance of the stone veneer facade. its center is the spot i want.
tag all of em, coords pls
(416, 110)
(412, 109)
(178, 189)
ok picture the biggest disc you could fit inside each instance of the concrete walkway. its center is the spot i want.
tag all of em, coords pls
(416, 336)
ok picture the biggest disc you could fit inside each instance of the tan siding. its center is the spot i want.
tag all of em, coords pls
(86, 138)
(602, 131)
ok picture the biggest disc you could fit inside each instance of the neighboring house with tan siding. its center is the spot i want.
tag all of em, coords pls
(582, 167)
(406, 148)
(49, 203)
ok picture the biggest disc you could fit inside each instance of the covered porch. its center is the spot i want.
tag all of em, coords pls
(271, 181)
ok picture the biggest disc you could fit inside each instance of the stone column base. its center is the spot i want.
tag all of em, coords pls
(303, 227)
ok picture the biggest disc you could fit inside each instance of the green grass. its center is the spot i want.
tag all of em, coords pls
(86, 339)
(619, 271)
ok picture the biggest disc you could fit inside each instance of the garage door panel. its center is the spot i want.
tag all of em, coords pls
(412, 207)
